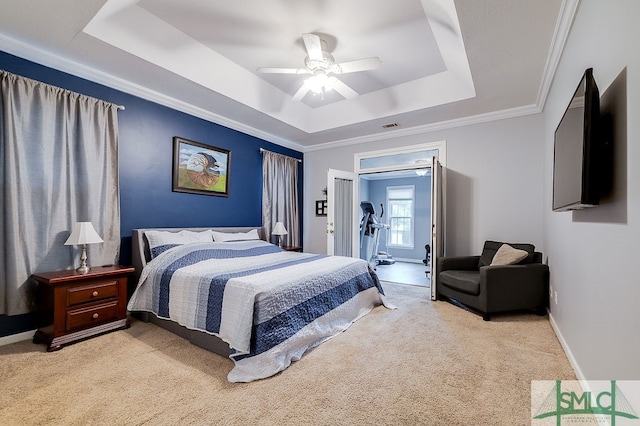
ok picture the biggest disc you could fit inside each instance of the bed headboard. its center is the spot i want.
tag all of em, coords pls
(140, 253)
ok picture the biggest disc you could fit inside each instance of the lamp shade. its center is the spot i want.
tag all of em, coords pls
(279, 229)
(83, 233)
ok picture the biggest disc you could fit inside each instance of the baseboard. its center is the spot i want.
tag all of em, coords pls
(14, 338)
(566, 348)
(401, 259)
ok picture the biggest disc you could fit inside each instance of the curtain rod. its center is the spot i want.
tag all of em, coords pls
(266, 150)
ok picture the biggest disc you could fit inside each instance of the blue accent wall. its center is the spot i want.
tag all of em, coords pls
(146, 132)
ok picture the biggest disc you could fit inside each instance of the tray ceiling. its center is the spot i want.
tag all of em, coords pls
(442, 60)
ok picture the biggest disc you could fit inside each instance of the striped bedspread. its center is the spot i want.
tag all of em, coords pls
(269, 305)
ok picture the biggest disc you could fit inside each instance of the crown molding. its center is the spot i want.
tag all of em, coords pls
(568, 10)
(441, 125)
(51, 60)
(563, 25)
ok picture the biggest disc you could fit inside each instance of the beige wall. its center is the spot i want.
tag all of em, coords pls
(593, 255)
(499, 184)
(493, 182)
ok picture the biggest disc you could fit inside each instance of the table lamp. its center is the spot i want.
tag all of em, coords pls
(83, 233)
(279, 230)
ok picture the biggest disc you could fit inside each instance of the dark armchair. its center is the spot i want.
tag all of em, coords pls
(472, 281)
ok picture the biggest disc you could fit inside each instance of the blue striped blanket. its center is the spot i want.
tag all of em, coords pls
(269, 305)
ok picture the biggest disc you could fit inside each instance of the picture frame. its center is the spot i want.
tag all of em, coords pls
(321, 207)
(199, 168)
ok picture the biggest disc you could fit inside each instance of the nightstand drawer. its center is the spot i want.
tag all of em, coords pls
(91, 315)
(79, 305)
(93, 292)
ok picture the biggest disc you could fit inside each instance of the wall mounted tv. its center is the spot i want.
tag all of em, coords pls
(577, 148)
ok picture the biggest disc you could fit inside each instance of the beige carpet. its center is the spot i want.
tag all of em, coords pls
(423, 363)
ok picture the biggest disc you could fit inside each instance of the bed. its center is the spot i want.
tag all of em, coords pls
(231, 292)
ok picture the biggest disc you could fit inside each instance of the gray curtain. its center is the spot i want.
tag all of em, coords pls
(342, 216)
(58, 166)
(280, 195)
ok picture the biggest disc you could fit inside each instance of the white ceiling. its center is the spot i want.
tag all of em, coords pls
(443, 61)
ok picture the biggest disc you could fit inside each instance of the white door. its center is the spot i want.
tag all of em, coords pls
(437, 222)
(341, 213)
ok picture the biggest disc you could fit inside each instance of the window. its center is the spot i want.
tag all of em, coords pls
(400, 159)
(400, 219)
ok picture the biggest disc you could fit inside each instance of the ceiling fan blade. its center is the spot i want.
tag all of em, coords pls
(344, 90)
(313, 45)
(267, 70)
(359, 65)
(302, 91)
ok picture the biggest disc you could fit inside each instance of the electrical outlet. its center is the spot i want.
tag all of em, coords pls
(555, 296)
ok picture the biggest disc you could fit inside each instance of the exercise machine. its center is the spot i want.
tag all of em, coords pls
(427, 259)
(370, 228)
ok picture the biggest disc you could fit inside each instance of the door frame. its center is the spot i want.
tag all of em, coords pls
(437, 222)
(440, 146)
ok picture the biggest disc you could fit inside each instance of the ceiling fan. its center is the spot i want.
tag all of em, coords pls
(321, 65)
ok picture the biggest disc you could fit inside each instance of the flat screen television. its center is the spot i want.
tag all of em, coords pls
(577, 148)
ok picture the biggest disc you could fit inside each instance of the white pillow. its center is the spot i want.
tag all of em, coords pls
(160, 241)
(235, 236)
(507, 255)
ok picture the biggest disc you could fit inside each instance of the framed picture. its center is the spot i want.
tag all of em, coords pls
(200, 168)
(321, 207)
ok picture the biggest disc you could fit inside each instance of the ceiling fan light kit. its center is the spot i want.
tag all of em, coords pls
(321, 64)
(320, 83)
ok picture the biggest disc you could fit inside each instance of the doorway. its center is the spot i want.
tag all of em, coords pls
(415, 159)
(401, 203)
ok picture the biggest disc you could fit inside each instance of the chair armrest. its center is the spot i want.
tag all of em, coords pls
(520, 275)
(458, 263)
(513, 283)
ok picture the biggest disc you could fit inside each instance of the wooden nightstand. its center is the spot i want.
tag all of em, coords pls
(291, 248)
(81, 305)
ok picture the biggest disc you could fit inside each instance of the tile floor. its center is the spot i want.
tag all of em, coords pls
(404, 273)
